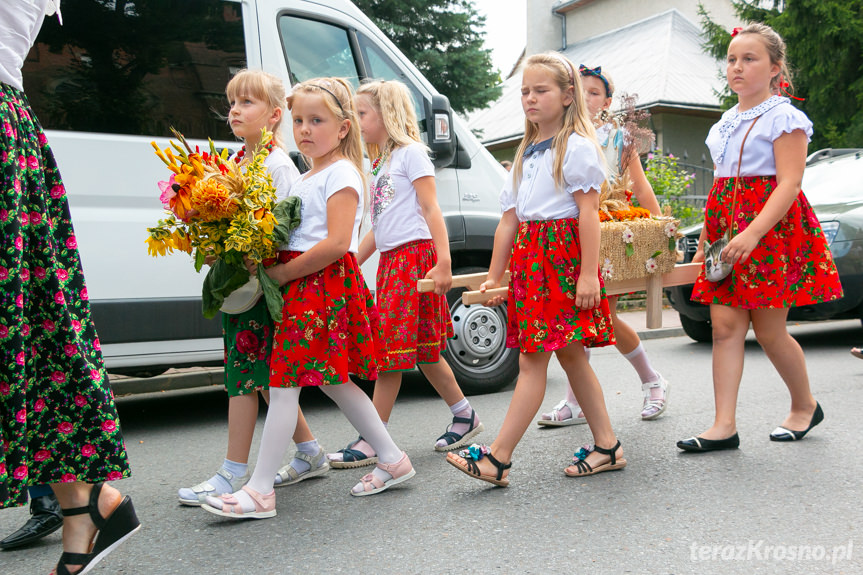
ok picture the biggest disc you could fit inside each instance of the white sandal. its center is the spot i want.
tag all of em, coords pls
(555, 419)
(653, 408)
(318, 466)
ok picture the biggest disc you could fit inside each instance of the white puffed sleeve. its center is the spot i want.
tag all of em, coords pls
(507, 196)
(786, 119)
(583, 168)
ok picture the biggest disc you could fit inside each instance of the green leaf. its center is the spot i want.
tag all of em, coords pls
(287, 213)
(221, 281)
(629, 250)
(672, 244)
(659, 253)
(199, 260)
(272, 294)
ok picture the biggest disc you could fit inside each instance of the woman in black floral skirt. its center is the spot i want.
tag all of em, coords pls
(58, 423)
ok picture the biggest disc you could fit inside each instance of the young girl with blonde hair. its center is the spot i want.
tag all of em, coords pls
(598, 91)
(257, 101)
(329, 318)
(776, 251)
(409, 230)
(556, 300)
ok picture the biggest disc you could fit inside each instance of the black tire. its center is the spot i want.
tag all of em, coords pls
(700, 331)
(478, 354)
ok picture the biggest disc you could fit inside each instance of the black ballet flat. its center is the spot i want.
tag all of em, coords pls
(782, 434)
(699, 444)
(121, 524)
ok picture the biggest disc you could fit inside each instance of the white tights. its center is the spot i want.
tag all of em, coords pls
(282, 420)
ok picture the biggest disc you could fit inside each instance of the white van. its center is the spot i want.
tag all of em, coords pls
(118, 76)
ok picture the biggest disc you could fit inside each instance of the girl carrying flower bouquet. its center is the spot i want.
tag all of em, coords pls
(329, 318)
(257, 102)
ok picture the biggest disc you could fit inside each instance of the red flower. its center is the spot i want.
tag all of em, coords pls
(20, 473)
(69, 478)
(65, 428)
(247, 342)
(39, 405)
(109, 426)
(88, 450)
(42, 455)
(114, 476)
(311, 379)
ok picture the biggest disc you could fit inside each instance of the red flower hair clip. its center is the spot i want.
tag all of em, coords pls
(783, 89)
(736, 31)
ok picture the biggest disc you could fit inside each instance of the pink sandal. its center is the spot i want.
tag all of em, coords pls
(401, 470)
(265, 505)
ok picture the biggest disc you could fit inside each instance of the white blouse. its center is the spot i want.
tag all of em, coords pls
(758, 159)
(21, 20)
(314, 191)
(538, 196)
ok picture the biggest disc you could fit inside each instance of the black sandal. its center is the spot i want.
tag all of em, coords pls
(583, 468)
(473, 454)
(453, 439)
(113, 530)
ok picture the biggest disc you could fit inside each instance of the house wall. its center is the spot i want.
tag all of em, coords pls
(593, 17)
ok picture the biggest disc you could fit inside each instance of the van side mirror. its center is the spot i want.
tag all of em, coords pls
(441, 140)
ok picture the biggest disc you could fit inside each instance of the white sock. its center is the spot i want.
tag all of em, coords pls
(639, 360)
(462, 405)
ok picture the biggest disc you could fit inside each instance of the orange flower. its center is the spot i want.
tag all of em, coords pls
(212, 201)
(631, 213)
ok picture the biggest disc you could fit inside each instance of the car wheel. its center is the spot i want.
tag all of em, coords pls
(477, 353)
(698, 330)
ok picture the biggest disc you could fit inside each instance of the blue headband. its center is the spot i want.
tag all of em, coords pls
(596, 73)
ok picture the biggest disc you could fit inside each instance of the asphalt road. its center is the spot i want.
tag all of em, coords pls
(765, 508)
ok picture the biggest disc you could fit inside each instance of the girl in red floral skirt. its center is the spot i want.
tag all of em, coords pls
(409, 230)
(550, 225)
(778, 252)
(257, 101)
(329, 319)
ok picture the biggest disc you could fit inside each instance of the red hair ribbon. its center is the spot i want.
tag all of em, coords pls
(783, 88)
(736, 31)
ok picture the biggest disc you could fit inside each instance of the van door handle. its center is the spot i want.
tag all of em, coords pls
(470, 197)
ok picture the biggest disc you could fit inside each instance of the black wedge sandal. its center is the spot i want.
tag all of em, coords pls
(473, 454)
(113, 530)
(583, 468)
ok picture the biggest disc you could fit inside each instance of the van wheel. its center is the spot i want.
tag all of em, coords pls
(477, 353)
(700, 331)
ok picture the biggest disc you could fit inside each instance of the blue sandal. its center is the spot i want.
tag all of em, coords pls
(453, 439)
(352, 458)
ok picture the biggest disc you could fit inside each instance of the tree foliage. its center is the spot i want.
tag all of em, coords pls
(444, 39)
(824, 41)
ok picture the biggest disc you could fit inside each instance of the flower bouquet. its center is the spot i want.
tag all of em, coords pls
(221, 210)
(634, 243)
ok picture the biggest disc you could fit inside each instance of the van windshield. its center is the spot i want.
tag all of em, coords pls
(125, 68)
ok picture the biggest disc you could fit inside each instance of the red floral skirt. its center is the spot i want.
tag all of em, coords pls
(544, 269)
(328, 328)
(792, 264)
(415, 325)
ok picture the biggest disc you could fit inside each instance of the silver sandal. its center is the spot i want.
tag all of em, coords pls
(318, 463)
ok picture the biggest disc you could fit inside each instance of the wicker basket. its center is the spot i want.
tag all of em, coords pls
(648, 236)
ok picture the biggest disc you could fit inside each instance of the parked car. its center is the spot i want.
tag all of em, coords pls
(117, 76)
(833, 184)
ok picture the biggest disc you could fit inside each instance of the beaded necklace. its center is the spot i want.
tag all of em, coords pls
(242, 152)
(379, 163)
